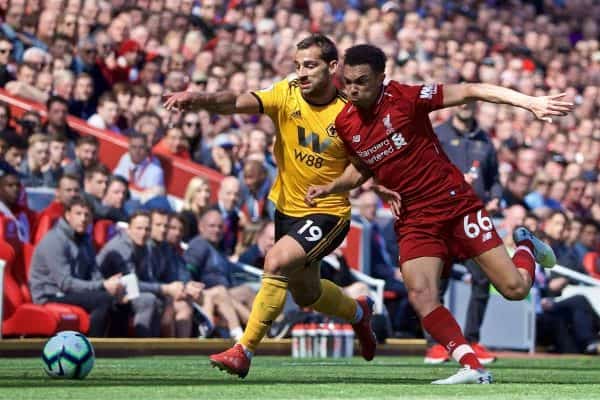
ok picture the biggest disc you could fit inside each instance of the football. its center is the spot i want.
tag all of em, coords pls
(68, 355)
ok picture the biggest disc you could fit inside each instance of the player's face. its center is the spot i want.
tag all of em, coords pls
(362, 84)
(313, 72)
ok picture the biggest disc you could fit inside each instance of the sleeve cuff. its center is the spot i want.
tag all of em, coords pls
(261, 109)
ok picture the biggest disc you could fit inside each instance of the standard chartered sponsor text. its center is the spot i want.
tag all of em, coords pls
(371, 151)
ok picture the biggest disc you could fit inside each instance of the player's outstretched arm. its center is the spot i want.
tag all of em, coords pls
(224, 102)
(351, 178)
(543, 107)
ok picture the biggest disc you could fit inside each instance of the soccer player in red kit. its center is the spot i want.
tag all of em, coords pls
(388, 134)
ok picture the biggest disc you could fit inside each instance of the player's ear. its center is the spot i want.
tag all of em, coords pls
(333, 66)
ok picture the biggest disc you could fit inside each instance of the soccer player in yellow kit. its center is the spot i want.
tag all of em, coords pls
(308, 152)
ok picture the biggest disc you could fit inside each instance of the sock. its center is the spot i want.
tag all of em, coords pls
(247, 352)
(236, 333)
(267, 305)
(334, 302)
(442, 326)
(524, 259)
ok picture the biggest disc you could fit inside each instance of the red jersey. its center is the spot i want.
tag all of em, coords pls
(396, 142)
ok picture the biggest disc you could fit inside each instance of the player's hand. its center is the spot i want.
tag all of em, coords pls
(179, 101)
(546, 107)
(391, 197)
(314, 192)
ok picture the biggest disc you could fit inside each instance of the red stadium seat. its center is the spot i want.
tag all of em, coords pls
(27, 256)
(104, 230)
(591, 263)
(21, 317)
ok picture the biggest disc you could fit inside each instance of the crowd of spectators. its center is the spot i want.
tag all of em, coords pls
(109, 62)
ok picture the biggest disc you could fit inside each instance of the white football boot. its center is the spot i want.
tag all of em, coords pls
(544, 255)
(467, 375)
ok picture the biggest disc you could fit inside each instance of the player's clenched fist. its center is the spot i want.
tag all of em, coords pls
(314, 192)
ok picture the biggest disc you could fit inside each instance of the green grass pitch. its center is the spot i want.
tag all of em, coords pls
(281, 378)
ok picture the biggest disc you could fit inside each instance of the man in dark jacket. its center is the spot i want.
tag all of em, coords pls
(203, 258)
(471, 150)
(210, 266)
(265, 239)
(64, 269)
(162, 266)
(128, 253)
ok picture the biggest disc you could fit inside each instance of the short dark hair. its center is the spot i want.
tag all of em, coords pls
(68, 177)
(139, 213)
(179, 217)
(78, 201)
(159, 211)
(140, 91)
(558, 212)
(590, 222)
(137, 135)
(107, 97)
(514, 175)
(56, 99)
(117, 178)
(328, 50)
(366, 54)
(58, 137)
(14, 140)
(532, 216)
(87, 140)
(96, 169)
(206, 212)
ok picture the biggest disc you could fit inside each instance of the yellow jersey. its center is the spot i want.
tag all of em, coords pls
(307, 149)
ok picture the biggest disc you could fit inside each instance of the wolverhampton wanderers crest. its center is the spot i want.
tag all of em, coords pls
(331, 132)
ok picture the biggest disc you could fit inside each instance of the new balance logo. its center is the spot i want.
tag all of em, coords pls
(427, 91)
(356, 139)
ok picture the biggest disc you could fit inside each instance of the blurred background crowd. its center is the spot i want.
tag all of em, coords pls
(109, 63)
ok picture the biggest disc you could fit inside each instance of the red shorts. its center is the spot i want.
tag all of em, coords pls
(447, 237)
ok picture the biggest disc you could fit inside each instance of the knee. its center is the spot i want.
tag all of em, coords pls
(275, 262)
(219, 292)
(424, 299)
(184, 311)
(514, 290)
